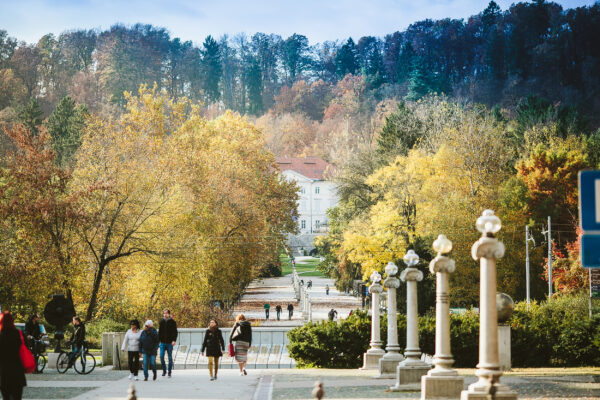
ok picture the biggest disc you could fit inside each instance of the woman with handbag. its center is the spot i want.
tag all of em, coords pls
(12, 372)
(241, 334)
(214, 346)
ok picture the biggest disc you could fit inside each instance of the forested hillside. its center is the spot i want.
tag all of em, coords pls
(497, 57)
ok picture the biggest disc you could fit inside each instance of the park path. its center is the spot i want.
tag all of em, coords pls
(280, 291)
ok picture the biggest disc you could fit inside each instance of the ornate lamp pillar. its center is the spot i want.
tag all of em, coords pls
(389, 362)
(372, 356)
(487, 250)
(410, 370)
(442, 381)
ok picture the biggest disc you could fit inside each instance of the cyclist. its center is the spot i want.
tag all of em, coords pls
(77, 339)
(33, 334)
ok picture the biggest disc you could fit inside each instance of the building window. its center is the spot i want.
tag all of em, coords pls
(317, 224)
(302, 190)
(303, 224)
(317, 190)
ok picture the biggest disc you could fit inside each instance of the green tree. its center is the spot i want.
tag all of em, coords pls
(400, 133)
(295, 56)
(212, 68)
(346, 59)
(31, 115)
(65, 125)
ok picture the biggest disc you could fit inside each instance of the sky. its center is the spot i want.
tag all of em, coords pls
(319, 20)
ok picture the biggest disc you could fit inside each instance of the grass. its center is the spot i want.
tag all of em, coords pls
(304, 268)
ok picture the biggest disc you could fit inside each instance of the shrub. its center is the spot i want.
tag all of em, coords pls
(554, 333)
(94, 330)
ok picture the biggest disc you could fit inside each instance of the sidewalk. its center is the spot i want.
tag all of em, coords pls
(282, 384)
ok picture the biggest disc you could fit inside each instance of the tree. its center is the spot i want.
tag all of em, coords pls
(346, 61)
(213, 71)
(30, 115)
(65, 125)
(400, 133)
(40, 215)
(419, 83)
(295, 56)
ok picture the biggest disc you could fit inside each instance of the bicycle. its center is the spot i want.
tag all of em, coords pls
(83, 363)
(40, 354)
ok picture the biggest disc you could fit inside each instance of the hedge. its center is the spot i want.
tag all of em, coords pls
(554, 333)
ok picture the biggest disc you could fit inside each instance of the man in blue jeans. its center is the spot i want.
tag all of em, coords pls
(167, 334)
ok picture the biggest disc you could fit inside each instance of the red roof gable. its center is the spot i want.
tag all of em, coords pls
(310, 167)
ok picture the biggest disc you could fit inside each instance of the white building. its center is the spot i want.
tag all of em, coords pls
(317, 194)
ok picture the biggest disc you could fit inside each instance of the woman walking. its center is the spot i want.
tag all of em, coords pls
(241, 334)
(132, 344)
(214, 346)
(12, 373)
(148, 347)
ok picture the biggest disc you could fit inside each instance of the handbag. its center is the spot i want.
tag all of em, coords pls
(231, 350)
(236, 334)
(26, 357)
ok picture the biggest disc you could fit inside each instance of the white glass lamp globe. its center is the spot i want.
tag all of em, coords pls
(375, 277)
(488, 222)
(391, 269)
(442, 245)
(411, 258)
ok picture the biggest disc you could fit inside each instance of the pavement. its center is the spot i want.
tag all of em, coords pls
(281, 384)
(280, 291)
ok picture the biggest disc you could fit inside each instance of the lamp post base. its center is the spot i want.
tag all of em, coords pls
(388, 364)
(409, 372)
(371, 359)
(441, 387)
(479, 390)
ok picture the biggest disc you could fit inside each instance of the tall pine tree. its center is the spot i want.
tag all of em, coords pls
(65, 125)
(213, 70)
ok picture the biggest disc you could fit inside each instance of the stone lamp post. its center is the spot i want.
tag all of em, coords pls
(410, 371)
(372, 356)
(442, 381)
(389, 362)
(487, 250)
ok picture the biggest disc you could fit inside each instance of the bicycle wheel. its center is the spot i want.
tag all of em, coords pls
(62, 363)
(85, 363)
(40, 363)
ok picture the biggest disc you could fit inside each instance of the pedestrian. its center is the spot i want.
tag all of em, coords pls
(290, 309)
(301, 282)
(12, 373)
(332, 314)
(241, 334)
(327, 290)
(167, 333)
(214, 346)
(278, 311)
(267, 307)
(131, 343)
(148, 346)
(309, 286)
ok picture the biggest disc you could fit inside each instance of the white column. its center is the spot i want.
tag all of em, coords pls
(375, 290)
(412, 352)
(487, 250)
(392, 348)
(442, 380)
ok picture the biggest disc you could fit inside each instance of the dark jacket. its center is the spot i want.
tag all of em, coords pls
(78, 335)
(12, 374)
(278, 308)
(213, 343)
(32, 329)
(290, 307)
(167, 330)
(241, 331)
(149, 341)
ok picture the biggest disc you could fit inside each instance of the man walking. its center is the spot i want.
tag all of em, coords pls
(278, 310)
(290, 309)
(332, 314)
(167, 333)
(267, 307)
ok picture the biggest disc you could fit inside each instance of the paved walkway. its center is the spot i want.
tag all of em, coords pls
(280, 291)
(283, 384)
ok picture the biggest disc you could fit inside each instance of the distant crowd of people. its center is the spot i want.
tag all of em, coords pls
(278, 310)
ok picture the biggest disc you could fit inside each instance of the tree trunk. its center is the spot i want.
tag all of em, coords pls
(94, 297)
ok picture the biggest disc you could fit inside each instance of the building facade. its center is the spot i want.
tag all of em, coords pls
(316, 193)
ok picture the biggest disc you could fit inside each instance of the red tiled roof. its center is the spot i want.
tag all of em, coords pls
(310, 167)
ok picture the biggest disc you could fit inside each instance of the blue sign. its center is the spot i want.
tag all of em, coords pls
(590, 251)
(589, 217)
(589, 201)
